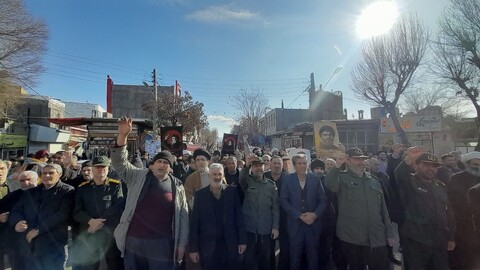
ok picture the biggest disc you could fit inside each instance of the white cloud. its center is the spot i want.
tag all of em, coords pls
(222, 14)
(337, 49)
(219, 119)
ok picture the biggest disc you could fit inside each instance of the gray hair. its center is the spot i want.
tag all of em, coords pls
(3, 162)
(232, 158)
(57, 167)
(216, 166)
(32, 174)
(297, 157)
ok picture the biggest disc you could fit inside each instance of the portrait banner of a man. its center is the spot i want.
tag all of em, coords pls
(229, 143)
(327, 144)
(172, 139)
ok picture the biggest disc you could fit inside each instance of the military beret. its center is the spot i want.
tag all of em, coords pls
(101, 161)
(356, 153)
(428, 158)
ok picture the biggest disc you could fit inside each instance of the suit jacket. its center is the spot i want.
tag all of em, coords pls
(202, 222)
(291, 201)
(49, 213)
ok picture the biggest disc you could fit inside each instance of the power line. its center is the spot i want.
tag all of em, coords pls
(304, 91)
(35, 91)
(174, 76)
(95, 61)
(93, 72)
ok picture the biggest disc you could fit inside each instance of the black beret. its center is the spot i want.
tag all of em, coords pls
(87, 163)
(317, 163)
(201, 152)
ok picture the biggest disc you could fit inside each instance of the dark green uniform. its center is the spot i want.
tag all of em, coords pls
(261, 214)
(363, 218)
(363, 223)
(429, 221)
(98, 201)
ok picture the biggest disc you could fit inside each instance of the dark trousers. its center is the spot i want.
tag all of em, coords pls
(305, 240)
(17, 262)
(221, 259)
(463, 256)
(284, 256)
(257, 255)
(148, 254)
(358, 257)
(325, 248)
(337, 255)
(90, 249)
(113, 260)
(422, 257)
(54, 259)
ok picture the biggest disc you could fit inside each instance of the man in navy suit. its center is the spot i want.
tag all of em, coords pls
(217, 234)
(303, 199)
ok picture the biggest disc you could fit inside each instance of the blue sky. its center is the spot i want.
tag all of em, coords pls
(214, 48)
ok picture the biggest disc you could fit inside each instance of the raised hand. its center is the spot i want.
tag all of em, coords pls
(340, 158)
(124, 126)
(412, 154)
(250, 158)
(397, 149)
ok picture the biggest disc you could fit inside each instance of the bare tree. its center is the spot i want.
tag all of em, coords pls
(457, 51)
(208, 138)
(250, 105)
(438, 95)
(22, 43)
(9, 100)
(388, 66)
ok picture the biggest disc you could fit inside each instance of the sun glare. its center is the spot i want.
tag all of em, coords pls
(376, 19)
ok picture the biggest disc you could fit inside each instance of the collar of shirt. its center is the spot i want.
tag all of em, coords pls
(219, 194)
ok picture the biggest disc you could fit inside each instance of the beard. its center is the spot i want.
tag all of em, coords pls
(473, 171)
(357, 170)
(202, 170)
(216, 183)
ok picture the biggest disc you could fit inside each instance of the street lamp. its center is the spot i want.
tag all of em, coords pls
(337, 70)
(155, 109)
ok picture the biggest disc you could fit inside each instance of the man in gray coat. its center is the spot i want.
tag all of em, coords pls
(153, 229)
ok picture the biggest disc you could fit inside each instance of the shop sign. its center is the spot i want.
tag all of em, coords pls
(413, 124)
(13, 141)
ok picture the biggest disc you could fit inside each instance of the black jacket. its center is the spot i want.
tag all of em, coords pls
(99, 201)
(8, 237)
(202, 222)
(49, 212)
(429, 218)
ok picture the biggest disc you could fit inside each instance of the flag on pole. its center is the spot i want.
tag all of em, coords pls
(178, 89)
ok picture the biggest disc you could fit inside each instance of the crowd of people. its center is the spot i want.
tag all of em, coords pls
(254, 210)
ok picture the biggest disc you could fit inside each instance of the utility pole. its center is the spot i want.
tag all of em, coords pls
(155, 109)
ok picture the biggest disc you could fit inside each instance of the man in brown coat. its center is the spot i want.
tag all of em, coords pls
(199, 179)
(463, 257)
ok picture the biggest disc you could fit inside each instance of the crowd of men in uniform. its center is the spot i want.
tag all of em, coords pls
(204, 211)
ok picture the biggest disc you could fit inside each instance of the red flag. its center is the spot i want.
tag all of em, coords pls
(178, 89)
